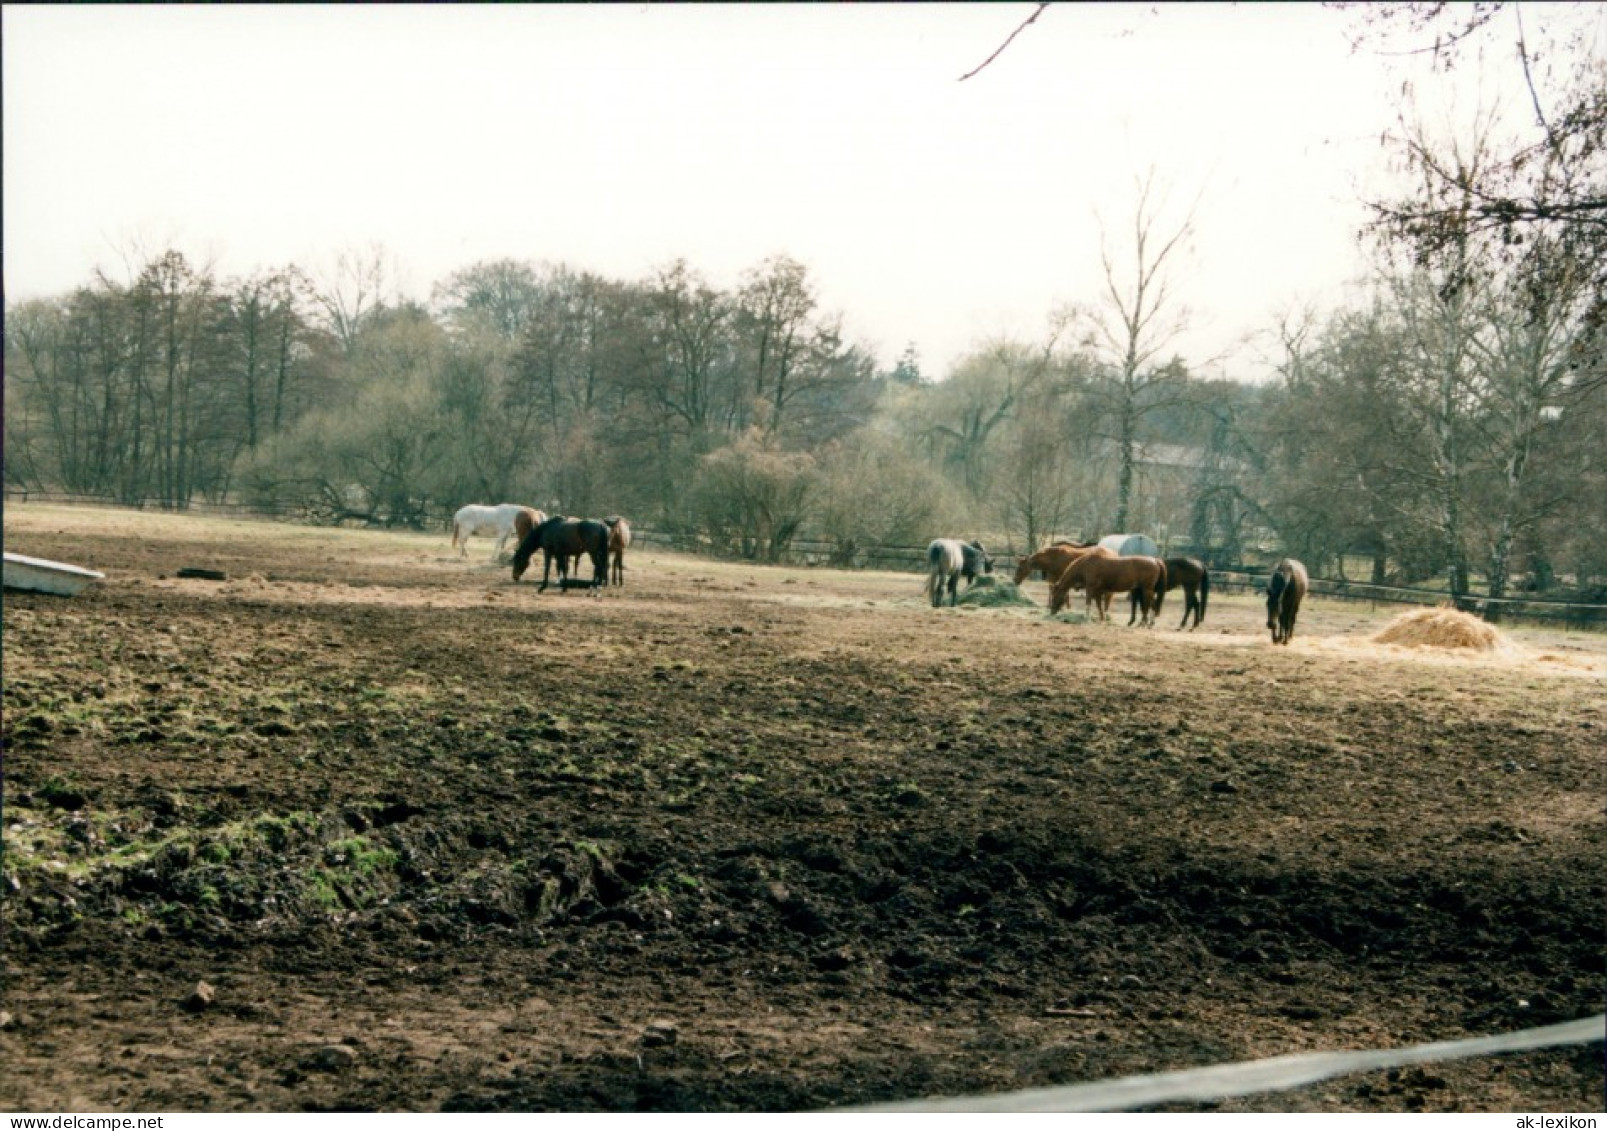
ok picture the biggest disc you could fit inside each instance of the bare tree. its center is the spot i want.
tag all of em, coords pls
(361, 282)
(1137, 319)
(1548, 181)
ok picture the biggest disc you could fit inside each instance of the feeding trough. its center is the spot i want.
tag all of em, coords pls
(43, 576)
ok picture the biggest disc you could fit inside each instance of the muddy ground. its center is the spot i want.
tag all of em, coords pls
(738, 838)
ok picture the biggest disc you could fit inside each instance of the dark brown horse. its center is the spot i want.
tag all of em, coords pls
(1102, 575)
(1286, 588)
(1191, 574)
(563, 538)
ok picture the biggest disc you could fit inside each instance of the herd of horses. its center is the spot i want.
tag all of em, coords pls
(558, 538)
(1103, 574)
(1099, 571)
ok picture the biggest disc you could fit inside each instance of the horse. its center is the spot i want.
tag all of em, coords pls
(619, 540)
(947, 560)
(525, 521)
(1195, 579)
(479, 519)
(563, 538)
(1286, 588)
(1104, 574)
(1051, 561)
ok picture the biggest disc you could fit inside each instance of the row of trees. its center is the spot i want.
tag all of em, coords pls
(1452, 425)
(1440, 430)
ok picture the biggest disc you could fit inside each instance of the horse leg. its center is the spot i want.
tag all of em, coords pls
(954, 589)
(1134, 600)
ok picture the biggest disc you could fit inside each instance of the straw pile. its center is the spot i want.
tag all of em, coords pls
(992, 593)
(1441, 628)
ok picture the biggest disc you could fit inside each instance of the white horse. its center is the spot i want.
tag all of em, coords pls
(947, 560)
(476, 519)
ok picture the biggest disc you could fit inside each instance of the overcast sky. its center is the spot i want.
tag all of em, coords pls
(616, 138)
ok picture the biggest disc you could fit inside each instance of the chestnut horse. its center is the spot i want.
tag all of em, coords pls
(1103, 575)
(563, 538)
(525, 521)
(1191, 574)
(1286, 588)
(1051, 561)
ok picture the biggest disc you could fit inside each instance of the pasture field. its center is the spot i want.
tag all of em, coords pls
(747, 838)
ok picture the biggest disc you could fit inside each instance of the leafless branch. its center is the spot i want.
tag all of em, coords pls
(1038, 11)
(1534, 95)
(1420, 14)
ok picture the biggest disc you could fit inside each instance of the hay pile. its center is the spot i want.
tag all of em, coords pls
(992, 592)
(1441, 628)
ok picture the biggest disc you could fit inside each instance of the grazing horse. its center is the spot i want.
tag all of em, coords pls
(477, 519)
(1195, 579)
(619, 540)
(1102, 575)
(947, 560)
(1051, 561)
(564, 538)
(1286, 588)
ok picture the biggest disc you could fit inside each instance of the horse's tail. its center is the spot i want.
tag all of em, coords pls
(934, 572)
(455, 529)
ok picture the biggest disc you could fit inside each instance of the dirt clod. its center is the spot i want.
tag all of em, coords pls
(200, 999)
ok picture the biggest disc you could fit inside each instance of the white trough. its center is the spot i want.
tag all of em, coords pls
(43, 576)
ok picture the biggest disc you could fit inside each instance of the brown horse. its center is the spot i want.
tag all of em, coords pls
(1191, 574)
(1286, 588)
(1051, 561)
(560, 539)
(1101, 576)
(619, 540)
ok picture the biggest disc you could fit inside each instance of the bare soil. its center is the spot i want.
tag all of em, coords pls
(758, 839)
